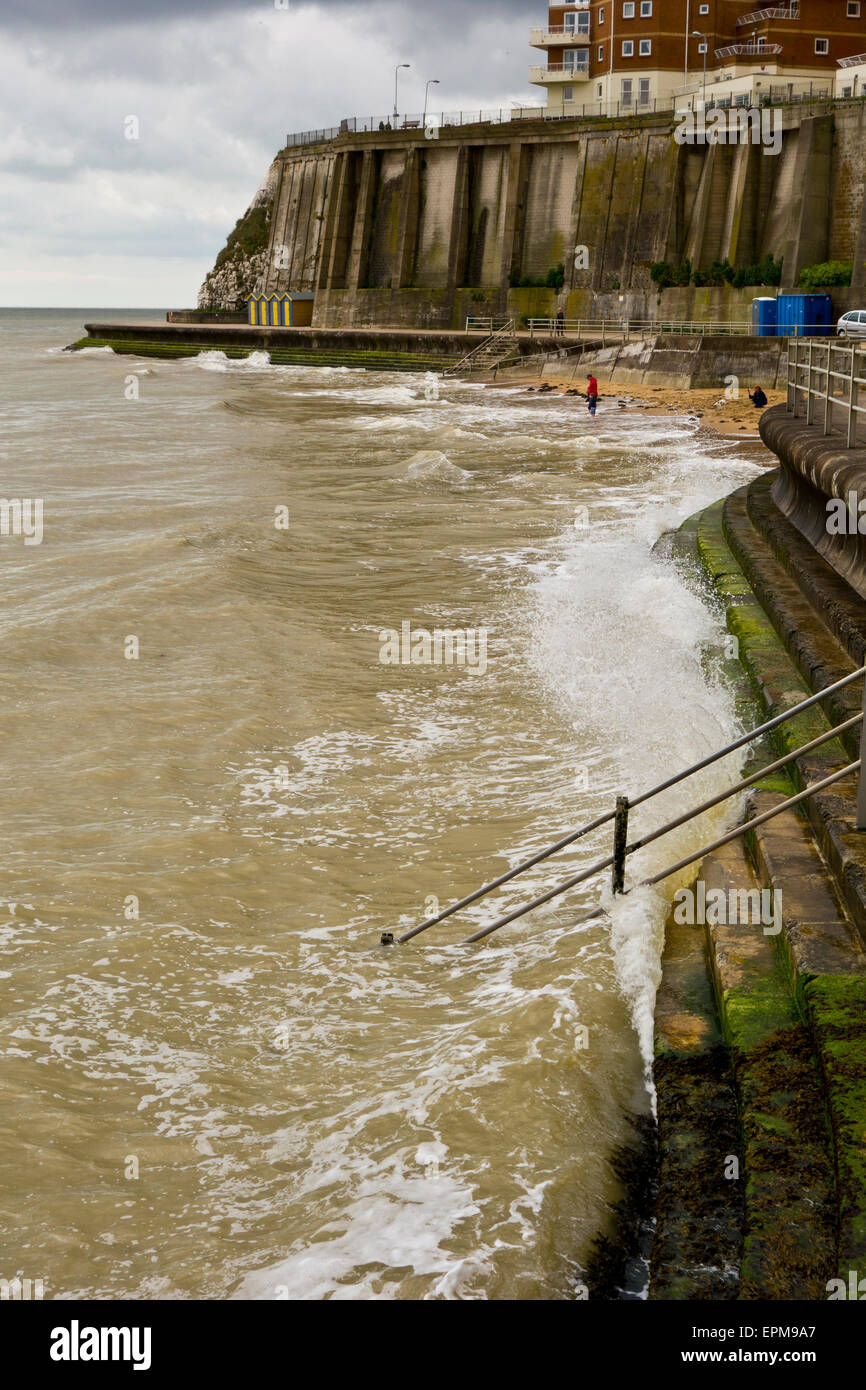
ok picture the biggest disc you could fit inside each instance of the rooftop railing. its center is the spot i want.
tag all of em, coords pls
(559, 33)
(791, 11)
(749, 50)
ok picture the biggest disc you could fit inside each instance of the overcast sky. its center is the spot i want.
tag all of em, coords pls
(91, 218)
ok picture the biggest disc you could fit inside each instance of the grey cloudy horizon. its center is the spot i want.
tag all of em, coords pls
(91, 218)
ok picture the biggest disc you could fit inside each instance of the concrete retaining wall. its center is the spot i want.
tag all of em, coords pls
(392, 228)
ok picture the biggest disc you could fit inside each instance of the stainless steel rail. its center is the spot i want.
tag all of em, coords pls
(829, 373)
(624, 805)
(672, 868)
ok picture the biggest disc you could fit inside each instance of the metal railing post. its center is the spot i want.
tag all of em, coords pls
(861, 781)
(828, 386)
(620, 840)
(852, 400)
(809, 386)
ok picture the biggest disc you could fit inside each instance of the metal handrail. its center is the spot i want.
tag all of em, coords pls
(673, 868)
(503, 337)
(808, 360)
(673, 781)
(628, 326)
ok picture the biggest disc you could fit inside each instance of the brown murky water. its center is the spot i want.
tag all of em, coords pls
(215, 1082)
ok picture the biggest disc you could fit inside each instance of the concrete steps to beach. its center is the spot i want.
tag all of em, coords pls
(777, 1026)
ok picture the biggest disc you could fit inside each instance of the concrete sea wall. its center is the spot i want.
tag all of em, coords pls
(393, 228)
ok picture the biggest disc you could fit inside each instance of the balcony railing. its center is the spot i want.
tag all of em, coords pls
(558, 35)
(750, 50)
(791, 11)
(560, 72)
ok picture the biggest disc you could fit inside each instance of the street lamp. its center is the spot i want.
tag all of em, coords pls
(696, 34)
(433, 82)
(396, 75)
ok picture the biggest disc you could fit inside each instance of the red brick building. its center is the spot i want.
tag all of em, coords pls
(641, 53)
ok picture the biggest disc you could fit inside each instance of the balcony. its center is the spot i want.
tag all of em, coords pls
(559, 37)
(560, 72)
(748, 50)
(791, 11)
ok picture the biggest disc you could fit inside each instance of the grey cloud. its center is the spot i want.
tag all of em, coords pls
(52, 15)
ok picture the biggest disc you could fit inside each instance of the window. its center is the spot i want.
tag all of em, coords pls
(628, 48)
(583, 21)
(601, 15)
(646, 9)
(568, 94)
(741, 99)
(627, 89)
(644, 47)
(601, 52)
(846, 91)
(853, 9)
(644, 91)
(822, 45)
(702, 48)
(628, 10)
(705, 9)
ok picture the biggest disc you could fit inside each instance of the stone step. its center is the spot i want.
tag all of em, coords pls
(787, 659)
(818, 862)
(787, 1174)
(698, 1234)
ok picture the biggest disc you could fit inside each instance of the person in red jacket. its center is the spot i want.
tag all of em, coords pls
(591, 392)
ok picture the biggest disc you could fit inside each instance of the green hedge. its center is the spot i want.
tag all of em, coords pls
(815, 277)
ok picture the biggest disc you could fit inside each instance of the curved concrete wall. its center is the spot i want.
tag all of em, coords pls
(813, 469)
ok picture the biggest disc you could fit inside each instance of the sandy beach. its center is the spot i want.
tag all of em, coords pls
(736, 417)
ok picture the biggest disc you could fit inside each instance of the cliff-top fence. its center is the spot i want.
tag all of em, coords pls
(599, 110)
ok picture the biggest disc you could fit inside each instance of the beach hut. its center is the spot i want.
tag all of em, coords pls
(289, 309)
(300, 308)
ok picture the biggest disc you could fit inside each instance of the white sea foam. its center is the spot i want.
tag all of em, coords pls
(431, 465)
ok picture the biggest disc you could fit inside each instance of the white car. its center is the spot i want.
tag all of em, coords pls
(852, 324)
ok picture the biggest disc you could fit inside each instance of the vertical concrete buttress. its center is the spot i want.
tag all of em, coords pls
(407, 228)
(461, 221)
(808, 237)
(362, 231)
(515, 190)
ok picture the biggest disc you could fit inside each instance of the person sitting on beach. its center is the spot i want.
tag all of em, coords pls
(757, 397)
(591, 393)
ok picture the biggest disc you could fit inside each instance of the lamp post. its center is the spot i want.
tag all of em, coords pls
(696, 33)
(432, 82)
(688, 17)
(396, 75)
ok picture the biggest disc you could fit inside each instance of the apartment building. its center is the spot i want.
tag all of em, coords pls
(636, 55)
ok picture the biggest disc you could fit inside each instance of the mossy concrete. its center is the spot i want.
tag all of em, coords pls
(804, 1084)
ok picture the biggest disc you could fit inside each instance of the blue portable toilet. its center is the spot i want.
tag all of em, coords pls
(805, 315)
(764, 317)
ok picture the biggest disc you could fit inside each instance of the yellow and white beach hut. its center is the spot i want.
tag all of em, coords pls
(290, 309)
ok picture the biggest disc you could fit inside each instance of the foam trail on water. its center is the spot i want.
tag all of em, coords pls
(620, 644)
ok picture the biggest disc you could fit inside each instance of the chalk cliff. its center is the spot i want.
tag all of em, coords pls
(240, 268)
